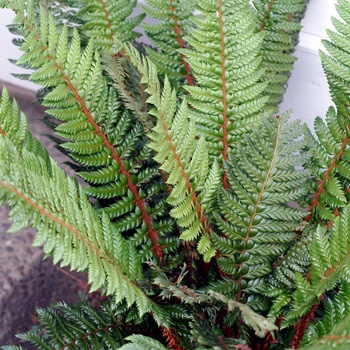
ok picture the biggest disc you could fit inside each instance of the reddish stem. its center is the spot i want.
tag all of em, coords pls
(224, 94)
(109, 24)
(336, 157)
(301, 326)
(268, 11)
(181, 43)
(171, 338)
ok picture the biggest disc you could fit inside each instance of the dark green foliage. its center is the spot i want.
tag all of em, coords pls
(215, 224)
(256, 224)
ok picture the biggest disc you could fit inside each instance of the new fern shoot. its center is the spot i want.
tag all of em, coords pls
(207, 220)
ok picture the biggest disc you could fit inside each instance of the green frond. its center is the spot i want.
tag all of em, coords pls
(337, 338)
(331, 162)
(226, 62)
(329, 165)
(256, 222)
(102, 135)
(336, 310)
(168, 36)
(329, 255)
(68, 227)
(108, 22)
(14, 126)
(141, 342)
(295, 259)
(335, 64)
(82, 326)
(279, 20)
(180, 156)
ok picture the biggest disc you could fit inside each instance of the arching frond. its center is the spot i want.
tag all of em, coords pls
(108, 141)
(186, 161)
(256, 222)
(68, 226)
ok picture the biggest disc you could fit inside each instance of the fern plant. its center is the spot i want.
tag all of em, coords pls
(206, 220)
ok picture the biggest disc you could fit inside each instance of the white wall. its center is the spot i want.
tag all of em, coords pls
(307, 92)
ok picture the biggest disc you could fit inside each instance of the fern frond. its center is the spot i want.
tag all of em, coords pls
(295, 259)
(257, 223)
(330, 165)
(126, 80)
(226, 63)
(336, 65)
(280, 21)
(141, 342)
(103, 137)
(338, 338)
(331, 152)
(168, 36)
(185, 160)
(329, 254)
(336, 310)
(68, 227)
(108, 22)
(83, 326)
(14, 126)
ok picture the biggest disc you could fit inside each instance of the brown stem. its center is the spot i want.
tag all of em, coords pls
(301, 326)
(109, 24)
(336, 157)
(181, 43)
(224, 94)
(171, 338)
(268, 11)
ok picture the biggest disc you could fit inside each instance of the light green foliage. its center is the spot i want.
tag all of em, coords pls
(336, 310)
(140, 342)
(179, 155)
(42, 196)
(215, 224)
(280, 21)
(330, 164)
(336, 338)
(329, 255)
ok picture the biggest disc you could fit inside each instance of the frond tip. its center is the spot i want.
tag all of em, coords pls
(181, 156)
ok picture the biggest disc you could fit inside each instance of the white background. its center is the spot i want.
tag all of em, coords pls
(307, 93)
